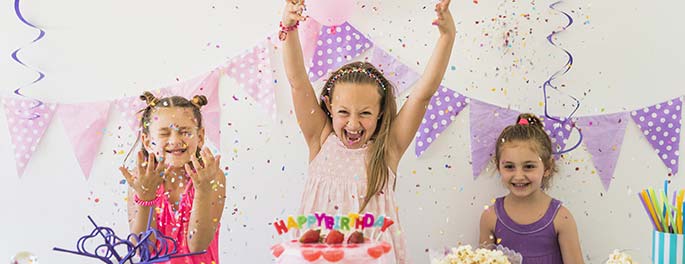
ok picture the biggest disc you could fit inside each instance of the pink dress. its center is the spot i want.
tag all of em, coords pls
(175, 224)
(336, 185)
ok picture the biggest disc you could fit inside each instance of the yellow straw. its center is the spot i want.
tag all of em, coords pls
(648, 201)
(679, 211)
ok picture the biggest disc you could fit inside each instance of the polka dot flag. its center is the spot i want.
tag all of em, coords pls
(558, 132)
(26, 126)
(660, 124)
(336, 46)
(129, 107)
(443, 108)
(253, 72)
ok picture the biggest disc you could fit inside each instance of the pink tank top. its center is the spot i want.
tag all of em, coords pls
(175, 225)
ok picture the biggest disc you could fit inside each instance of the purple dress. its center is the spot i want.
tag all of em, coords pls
(536, 242)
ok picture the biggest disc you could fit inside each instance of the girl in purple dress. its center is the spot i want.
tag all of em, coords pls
(528, 220)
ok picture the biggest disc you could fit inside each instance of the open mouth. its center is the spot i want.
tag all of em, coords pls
(520, 185)
(353, 136)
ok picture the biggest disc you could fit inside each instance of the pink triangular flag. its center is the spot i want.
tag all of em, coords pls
(336, 46)
(443, 108)
(487, 122)
(131, 106)
(253, 72)
(399, 74)
(27, 124)
(660, 124)
(207, 85)
(85, 124)
(603, 137)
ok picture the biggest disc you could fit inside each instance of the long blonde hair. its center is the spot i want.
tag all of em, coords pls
(377, 174)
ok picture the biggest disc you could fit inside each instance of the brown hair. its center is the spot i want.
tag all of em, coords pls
(377, 173)
(529, 127)
(172, 101)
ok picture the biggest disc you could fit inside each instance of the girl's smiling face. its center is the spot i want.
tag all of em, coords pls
(173, 135)
(355, 109)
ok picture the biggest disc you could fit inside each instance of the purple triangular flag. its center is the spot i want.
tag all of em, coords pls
(660, 124)
(442, 110)
(487, 122)
(336, 46)
(399, 74)
(558, 131)
(603, 137)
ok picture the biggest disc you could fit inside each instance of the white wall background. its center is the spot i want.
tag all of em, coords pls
(627, 56)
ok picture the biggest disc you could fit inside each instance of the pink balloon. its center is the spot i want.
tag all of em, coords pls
(330, 12)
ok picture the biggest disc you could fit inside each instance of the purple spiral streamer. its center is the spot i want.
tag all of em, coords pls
(562, 71)
(15, 57)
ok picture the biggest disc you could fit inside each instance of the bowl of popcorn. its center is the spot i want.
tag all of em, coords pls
(620, 257)
(465, 254)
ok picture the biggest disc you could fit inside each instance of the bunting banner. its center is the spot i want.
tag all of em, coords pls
(558, 132)
(399, 74)
(660, 124)
(603, 139)
(443, 108)
(26, 124)
(326, 48)
(487, 121)
(253, 72)
(85, 125)
(336, 46)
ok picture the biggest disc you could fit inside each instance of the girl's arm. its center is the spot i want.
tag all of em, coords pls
(568, 237)
(143, 182)
(310, 117)
(411, 113)
(208, 204)
(488, 219)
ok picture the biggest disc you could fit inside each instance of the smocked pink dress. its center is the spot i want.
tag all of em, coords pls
(336, 185)
(175, 224)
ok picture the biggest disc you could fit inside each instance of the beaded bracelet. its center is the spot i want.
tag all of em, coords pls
(284, 30)
(140, 202)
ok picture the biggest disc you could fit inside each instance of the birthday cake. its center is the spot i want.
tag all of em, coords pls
(343, 242)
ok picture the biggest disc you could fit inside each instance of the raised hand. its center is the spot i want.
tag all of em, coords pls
(444, 21)
(293, 12)
(206, 176)
(147, 177)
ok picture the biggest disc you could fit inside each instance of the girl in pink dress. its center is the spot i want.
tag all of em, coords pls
(178, 178)
(355, 135)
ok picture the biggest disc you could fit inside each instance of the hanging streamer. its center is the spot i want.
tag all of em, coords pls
(560, 72)
(15, 57)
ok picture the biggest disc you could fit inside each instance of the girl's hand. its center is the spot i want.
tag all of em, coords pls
(444, 21)
(293, 12)
(147, 177)
(206, 176)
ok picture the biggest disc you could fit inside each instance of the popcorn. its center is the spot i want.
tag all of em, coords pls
(618, 257)
(466, 255)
